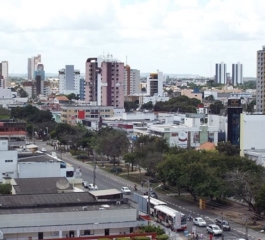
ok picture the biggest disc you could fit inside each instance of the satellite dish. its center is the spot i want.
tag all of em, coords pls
(62, 184)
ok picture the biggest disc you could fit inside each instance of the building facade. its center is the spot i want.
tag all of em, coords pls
(32, 65)
(155, 84)
(72, 114)
(69, 80)
(237, 74)
(82, 89)
(260, 83)
(104, 81)
(131, 81)
(220, 73)
(4, 69)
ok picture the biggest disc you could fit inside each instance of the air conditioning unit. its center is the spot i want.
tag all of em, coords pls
(118, 203)
(84, 208)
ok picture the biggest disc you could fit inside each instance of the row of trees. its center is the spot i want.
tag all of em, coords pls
(216, 175)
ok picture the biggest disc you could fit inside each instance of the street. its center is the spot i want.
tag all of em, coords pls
(106, 180)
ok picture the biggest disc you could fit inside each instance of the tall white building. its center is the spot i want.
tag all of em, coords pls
(32, 65)
(69, 80)
(131, 81)
(155, 84)
(237, 73)
(5, 69)
(220, 73)
(260, 83)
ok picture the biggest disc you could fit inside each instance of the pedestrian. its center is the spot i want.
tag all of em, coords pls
(193, 236)
(142, 183)
(197, 237)
(211, 236)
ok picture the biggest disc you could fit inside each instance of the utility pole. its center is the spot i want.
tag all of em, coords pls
(148, 208)
(94, 172)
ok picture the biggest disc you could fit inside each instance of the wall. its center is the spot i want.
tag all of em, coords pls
(138, 116)
(9, 167)
(39, 169)
(66, 218)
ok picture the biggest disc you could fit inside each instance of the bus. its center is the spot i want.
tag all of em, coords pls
(170, 217)
(153, 203)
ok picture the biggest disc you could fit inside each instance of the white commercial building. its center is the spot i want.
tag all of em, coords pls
(155, 98)
(62, 215)
(69, 80)
(8, 161)
(251, 129)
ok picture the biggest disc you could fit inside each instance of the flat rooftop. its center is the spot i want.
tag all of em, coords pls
(104, 192)
(38, 158)
(59, 202)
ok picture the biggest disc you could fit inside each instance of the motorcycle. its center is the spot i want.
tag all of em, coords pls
(135, 188)
(189, 218)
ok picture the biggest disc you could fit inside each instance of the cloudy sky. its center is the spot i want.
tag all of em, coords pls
(174, 36)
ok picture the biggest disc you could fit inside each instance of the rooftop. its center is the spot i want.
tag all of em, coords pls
(38, 158)
(56, 202)
(40, 185)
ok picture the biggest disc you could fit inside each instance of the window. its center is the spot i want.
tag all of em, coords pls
(8, 160)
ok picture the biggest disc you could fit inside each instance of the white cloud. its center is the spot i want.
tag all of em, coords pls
(174, 36)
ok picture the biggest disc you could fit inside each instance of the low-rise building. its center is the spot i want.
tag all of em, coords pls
(58, 215)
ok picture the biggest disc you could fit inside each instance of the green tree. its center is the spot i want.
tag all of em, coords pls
(260, 199)
(5, 188)
(210, 98)
(227, 148)
(72, 96)
(148, 106)
(216, 107)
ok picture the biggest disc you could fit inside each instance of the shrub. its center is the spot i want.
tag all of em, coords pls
(141, 238)
(162, 237)
(149, 228)
(118, 169)
(5, 188)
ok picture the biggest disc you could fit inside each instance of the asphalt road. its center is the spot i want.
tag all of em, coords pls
(107, 181)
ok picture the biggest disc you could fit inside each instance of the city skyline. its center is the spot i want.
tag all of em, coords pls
(180, 37)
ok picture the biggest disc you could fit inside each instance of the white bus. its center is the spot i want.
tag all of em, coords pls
(170, 217)
(153, 203)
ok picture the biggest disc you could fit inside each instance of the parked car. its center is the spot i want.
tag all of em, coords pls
(152, 194)
(116, 170)
(91, 186)
(223, 224)
(85, 184)
(214, 229)
(125, 190)
(199, 222)
(43, 149)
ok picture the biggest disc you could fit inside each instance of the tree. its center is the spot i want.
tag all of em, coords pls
(143, 89)
(5, 188)
(130, 158)
(112, 143)
(227, 148)
(216, 107)
(129, 106)
(260, 199)
(72, 96)
(148, 106)
(22, 93)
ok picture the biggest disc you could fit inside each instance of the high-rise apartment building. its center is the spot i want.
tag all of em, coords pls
(260, 83)
(154, 84)
(39, 76)
(237, 74)
(131, 81)
(4, 69)
(32, 65)
(82, 89)
(69, 80)
(220, 73)
(104, 81)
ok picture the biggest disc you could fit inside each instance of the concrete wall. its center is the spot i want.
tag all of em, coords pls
(39, 169)
(66, 218)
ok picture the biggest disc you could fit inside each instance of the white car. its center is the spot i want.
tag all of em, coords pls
(43, 149)
(125, 190)
(85, 184)
(91, 186)
(214, 229)
(199, 222)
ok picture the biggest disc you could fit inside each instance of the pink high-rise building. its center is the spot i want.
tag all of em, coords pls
(104, 82)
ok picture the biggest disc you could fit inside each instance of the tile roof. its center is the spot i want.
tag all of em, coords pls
(62, 98)
(207, 146)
